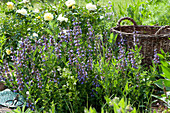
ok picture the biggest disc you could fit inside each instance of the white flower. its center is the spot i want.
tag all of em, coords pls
(48, 16)
(35, 34)
(74, 83)
(72, 77)
(18, 11)
(91, 7)
(70, 3)
(22, 11)
(54, 7)
(65, 32)
(28, 29)
(19, 42)
(10, 5)
(8, 51)
(27, 93)
(25, 1)
(101, 17)
(61, 19)
(36, 11)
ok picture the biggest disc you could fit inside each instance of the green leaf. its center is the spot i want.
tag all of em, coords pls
(161, 56)
(164, 63)
(107, 99)
(159, 83)
(111, 38)
(116, 108)
(166, 71)
(160, 98)
(134, 111)
(122, 103)
(162, 51)
(28, 111)
(126, 89)
(23, 108)
(102, 110)
(154, 111)
(53, 107)
(37, 100)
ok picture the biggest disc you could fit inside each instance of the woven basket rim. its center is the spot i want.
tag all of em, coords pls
(113, 29)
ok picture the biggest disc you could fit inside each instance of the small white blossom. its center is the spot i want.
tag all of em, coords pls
(48, 16)
(74, 83)
(101, 17)
(91, 7)
(28, 29)
(10, 5)
(25, 1)
(27, 93)
(61, 18)
(35, 35)
(22, 11)
(70, 3)
(36, 11)
(65, 32)
(8, 51)
(72, 77)
(54, 7)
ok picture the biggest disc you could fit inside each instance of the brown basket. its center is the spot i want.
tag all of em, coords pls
(150, 38)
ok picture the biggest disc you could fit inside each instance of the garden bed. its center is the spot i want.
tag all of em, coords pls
(62, 57)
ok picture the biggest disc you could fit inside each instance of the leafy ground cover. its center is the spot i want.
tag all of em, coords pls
(62, 57)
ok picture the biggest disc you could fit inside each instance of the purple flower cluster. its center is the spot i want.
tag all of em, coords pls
(156, 57)
(109, 13)
(28, 64)
(132, 60)
(122, 58)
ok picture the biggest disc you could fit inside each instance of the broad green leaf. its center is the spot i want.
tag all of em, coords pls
(164, 63)
(154, 111)
(161, 56)
(37, 101)
(102, 110)
(166, 71)
(122, 103)
(116, 108)
(134, 111)
(162, 51)
(159, 83)
(160, 98)
(53, 107)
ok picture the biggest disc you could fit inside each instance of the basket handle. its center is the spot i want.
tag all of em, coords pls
(126, 18)
(163, 27)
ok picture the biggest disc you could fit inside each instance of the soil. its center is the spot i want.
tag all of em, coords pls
(2, 86)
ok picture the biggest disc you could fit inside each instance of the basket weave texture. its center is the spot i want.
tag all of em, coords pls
(149, 37)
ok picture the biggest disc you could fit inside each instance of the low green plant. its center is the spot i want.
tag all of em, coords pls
(124, 76)
(22, 110)
(164, 83)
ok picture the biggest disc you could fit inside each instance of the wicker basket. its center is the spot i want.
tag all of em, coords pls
(150, 38)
